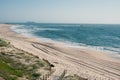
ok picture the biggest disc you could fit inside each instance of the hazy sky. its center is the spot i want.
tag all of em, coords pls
(60, 11)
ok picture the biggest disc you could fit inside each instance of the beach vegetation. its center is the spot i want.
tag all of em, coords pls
(40, 63)
(3, 43)
(74, 77)
(62, 75)
(8, 72)
(17, 64)
(36, 75)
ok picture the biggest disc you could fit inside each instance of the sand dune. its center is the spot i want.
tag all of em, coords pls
(87, 63)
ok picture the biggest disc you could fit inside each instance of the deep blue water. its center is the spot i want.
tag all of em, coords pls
(96, 35)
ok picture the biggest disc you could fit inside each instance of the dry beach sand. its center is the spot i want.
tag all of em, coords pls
(87, 63)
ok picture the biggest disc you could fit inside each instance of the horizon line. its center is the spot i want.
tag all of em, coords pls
(55, 23)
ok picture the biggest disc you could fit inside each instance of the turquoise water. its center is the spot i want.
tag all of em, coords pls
(102, 36)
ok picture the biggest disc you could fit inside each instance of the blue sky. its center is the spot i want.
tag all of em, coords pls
(60, 11)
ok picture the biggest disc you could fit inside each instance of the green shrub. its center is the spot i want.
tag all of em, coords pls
(7, 77)
(40, 63)
(36, 75)
(8, 69)
(3, 43)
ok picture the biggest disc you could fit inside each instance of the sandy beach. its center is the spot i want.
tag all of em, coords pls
(86, 63)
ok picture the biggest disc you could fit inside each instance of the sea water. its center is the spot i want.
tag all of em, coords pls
(98, 36)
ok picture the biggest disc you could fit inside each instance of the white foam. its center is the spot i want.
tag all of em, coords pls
(43, 29)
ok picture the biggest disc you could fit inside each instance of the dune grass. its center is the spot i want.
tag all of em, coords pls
(17, 63)
(3, 43)
(6, 70)
(11, 69)
(4, 67)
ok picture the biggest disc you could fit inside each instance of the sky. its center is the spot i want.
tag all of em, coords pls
(60, 11)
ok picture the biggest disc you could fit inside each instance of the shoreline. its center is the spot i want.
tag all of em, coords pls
(86, 63)
(47, 40)
(104, 50)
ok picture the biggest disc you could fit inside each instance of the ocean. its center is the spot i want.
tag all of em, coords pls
(104, 37)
